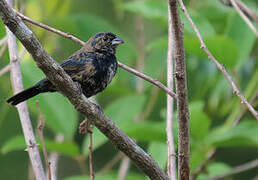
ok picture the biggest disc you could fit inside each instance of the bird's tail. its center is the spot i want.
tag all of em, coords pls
(24, 95)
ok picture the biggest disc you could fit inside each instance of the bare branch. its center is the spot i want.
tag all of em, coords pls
(2, 50)
(111, 163)
(22, 107)
(67, 87)
(125, 67)
(219, 66)
(90, 157)
(239, 117)
(203, 165)
(5, 69)
(123, 169)
(246, 10)
(8, 66)
(181, 90)
(237, 170)
(41, 125)
(171, 168)
(54, 157)
(3, 40)
(49, 28)
(243, 16)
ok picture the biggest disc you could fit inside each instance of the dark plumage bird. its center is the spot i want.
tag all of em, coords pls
(93, 67)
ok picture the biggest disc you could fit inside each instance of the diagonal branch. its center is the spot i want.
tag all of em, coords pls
(244, 17)
(216, 62)
(246, 10)
(125, 67)
(67, 87)
(244, 167)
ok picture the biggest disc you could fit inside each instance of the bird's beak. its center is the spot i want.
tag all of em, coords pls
(117, 41)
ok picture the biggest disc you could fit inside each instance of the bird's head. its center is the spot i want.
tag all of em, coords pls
(105, 42)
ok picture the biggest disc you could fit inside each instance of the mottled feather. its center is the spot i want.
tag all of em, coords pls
(93, 67)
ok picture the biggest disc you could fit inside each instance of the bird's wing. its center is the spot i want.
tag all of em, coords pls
(80, 66)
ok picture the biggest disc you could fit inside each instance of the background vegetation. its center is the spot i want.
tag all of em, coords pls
(141, 114)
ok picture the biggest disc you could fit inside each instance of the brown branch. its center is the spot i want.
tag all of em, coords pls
(17, 85)
(67, 87)
(125, 67)
(243, 16)
(90, 156)
(244, 8)
(239, 117)
(219, 66)
(181, 90)
(237, 170)
(41, 125)
(171, 167)
(49, 28)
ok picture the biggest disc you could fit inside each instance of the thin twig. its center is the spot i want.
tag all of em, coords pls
(151, 80)
(8, 66)
(244, 8)
(243, 16)
(239, 117)
(219, 66)
(17, 85)
(203, 165)
(54, 158)
(112, 163)
(90, 157)
(141, 51)
(3, 40)
(125, 67)
(67, 87)
(124, 167)
(41, 125)
(171, 167)
(5, 69)
(49, 28)
(237, 170)
(181, 90)
(2, 50)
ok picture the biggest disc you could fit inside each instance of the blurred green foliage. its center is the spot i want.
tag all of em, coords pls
(213, 107)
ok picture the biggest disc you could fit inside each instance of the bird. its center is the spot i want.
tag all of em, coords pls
(93, 67)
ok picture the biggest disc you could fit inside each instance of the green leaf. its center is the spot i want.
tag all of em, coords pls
(64, 148)
(238, 31)
(159, 152)
(223, 49)
(205, 27)
(147, 131)
(58, 112)
(124, 110)
(215, 169)
(199, 121)
(161, 43)
(244, 134)
(14, 144)
(151, 9)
